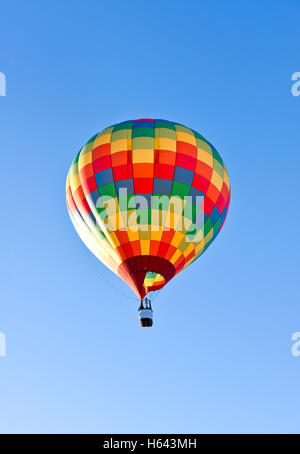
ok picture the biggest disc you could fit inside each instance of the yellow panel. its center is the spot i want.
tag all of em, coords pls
(173, 220)
(84, 159)
(226, 178)
(101, 140)
(114, 239)
(203, 156)
(133, 235)
(208, 236)
(189, 249)
(158, 218)
(116, 221)
(142, 156)
(177, 238)
(200, 246)
(145, 247)
(175, 256)
(120, 145)
(156, 234)
(132, 221)
(217, 180)
(164, 144)
(184, 137)
(75, 182)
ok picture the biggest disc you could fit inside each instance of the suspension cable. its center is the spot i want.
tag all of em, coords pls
(106, 280)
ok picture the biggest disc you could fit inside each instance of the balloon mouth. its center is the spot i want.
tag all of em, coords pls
(134, 271)
(153, 281)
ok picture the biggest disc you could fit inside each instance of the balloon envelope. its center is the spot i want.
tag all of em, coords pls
(147, 197)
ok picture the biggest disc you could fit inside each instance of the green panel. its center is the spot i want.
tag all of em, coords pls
(164, 124)
(88, 147)
(219, 168)
(207, 226)
(120, 134)
(143, 142)
(92, 139)
(204, 146)
(190, 210)
(108, 190)
(126, 202)
(125, 125)
(106, 131)
(217, 156)
(145, 235)
(165, 133)
(181, 128)
(200, 138)
(75, 160)
(217, 226)
(180, 189)
(143, 132)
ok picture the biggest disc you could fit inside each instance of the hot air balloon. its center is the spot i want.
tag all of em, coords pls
(147, 197)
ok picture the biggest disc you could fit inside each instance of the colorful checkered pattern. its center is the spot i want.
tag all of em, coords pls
(147, 245)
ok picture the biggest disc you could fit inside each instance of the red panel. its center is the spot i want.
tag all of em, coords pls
(84, 206)
(204, 170)
(220, 203)
(154, 246)
(200, 183)
(185, 161)
(228, 201)
(179, 264)
(122, 172)
(163, 249)
(136, 247)
(164, 171)
(225, 192)
(143, 170)
(70, 201)
(190, 256)
(167, 235)
(127, 249)
(207, 205)
(187, 149)
(122, 236)
(119, 159)
(86, 171)
(100, 151)
(165, 157)
(121, 253)
(170, 252)
(213, 192)
(89, 185)
(143, 185)
(102, 163)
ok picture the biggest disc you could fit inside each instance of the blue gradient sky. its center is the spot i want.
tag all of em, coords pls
(218, 358)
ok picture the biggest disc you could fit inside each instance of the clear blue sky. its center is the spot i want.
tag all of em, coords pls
(218, 358)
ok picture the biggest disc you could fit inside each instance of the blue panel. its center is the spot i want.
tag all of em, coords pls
(104, 177)
(143, 124)
(93, 197)
(214, 215)
(162, 186)
(127, 184)
(223, 215)
(194, 193)
(183, 175)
